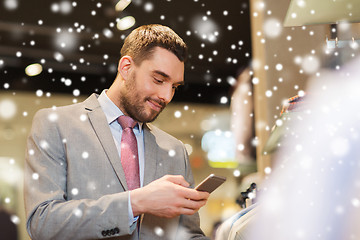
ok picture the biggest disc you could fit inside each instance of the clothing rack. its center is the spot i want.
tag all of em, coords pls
(248, 197)
(336, 43)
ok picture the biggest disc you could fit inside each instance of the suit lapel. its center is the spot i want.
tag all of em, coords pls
(151, 155)
(102, 130)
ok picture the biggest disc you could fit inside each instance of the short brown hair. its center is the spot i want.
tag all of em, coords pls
(140, 43)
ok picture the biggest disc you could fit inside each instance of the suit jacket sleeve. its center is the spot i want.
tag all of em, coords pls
(50, 213)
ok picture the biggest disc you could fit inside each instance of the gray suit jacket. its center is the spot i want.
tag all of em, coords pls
(75, 187)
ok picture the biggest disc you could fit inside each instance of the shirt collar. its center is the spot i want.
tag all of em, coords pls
(112, 112)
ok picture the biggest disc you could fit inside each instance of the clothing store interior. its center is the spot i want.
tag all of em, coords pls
(268, 102)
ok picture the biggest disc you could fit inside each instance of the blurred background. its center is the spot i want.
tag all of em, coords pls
(244, 64)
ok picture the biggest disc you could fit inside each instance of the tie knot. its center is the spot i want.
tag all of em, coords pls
(126, 122)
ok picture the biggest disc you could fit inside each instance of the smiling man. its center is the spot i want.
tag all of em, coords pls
(97, 177)
(142, 90)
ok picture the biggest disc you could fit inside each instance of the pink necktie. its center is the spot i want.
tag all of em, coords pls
(129, 152)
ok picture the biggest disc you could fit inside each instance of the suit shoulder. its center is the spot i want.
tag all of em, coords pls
(54, 112)
(66, 110)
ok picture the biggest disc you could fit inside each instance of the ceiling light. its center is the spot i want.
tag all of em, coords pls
(33, 69)
(122, 4)
(11, 4)
(125, 23)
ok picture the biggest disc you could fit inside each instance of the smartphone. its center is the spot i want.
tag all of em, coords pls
(210, 183)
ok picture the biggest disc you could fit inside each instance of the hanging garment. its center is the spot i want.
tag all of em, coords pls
(240, 228)
(223, 231)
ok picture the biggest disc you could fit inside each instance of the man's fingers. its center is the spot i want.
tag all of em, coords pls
(192, 207)
(196, 195)
(177, 179)
(192, 204)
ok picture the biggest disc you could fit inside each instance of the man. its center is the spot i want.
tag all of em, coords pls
(76, 183)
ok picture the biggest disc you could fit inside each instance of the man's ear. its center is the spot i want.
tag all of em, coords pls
(124, 66)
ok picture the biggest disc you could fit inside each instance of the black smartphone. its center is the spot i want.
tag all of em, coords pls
(210, 183)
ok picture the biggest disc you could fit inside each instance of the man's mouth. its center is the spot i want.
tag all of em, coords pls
(155, 105)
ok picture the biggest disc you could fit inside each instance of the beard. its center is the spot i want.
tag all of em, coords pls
(134, 104)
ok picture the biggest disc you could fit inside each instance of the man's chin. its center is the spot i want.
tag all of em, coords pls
(149, 117)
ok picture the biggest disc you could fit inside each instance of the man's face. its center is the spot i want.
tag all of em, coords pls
(151, 86)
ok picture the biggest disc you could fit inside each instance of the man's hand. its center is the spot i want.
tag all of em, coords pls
(168, 197)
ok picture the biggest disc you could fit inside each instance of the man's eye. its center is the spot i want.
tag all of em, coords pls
(158, 81)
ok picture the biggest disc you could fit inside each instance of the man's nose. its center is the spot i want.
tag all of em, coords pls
(166, 94)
